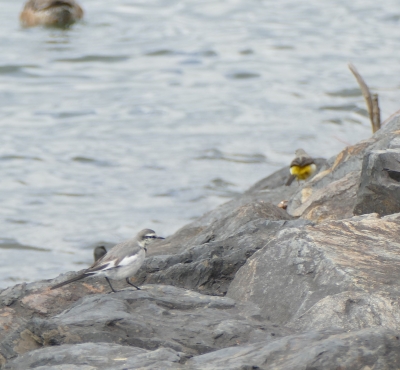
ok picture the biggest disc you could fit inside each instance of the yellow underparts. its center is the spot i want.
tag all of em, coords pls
(303, 173)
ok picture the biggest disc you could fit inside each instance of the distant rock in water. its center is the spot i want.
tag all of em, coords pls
(99, 252)
(51, 13)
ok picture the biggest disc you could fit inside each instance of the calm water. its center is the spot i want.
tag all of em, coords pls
(152, 112)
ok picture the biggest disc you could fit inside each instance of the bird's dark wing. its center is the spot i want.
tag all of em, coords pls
(115, 256)
(302, 161)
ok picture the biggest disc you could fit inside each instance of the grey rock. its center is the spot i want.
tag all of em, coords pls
(332, 202)
(221, 223)
(92, 356)
(66, 367)
(206, 254)
(203, 265)
(377, 349)
(154, 317)
(379, 189)
(336, 274)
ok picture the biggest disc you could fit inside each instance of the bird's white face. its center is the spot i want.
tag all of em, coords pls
(147, 238)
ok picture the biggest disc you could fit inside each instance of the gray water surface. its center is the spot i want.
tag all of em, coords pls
(151, 112)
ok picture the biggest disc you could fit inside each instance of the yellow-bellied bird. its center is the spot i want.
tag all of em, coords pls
(302, 167)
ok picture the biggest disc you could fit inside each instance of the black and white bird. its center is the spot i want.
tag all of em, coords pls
(121, 262)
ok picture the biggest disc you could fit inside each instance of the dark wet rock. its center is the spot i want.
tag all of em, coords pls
(379, 189)
(327, 350)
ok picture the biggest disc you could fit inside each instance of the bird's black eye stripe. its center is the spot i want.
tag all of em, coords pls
(150, 236)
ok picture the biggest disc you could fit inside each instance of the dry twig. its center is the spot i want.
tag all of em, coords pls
(371, 101)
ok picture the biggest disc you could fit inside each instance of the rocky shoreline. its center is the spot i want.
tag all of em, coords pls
(246, 286)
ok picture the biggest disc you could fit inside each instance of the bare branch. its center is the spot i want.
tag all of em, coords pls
(372, 102)
(376, 113)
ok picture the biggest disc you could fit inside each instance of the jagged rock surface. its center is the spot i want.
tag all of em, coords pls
(377, 349)
(336, 274)
(157, 316)
(96, 356)
(264, 290)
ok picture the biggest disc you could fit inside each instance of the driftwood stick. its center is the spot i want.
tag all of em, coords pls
(371, 101)
(376, 112)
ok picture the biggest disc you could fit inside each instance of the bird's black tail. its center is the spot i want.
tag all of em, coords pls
(290, 180)
(79, 277)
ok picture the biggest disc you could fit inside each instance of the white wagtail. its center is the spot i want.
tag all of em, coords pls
(121, 262)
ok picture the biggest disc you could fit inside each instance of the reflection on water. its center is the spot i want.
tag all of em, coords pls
(12, 244)
(345, 93)
(221, 188)
(215, 154)
(150, 113)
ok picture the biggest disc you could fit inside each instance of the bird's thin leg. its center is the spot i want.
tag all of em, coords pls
(127, 280)
(108, 281)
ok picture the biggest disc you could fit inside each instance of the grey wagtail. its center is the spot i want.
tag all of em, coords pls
(302, 167)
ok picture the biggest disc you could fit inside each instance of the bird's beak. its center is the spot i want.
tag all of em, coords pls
(160, 237)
